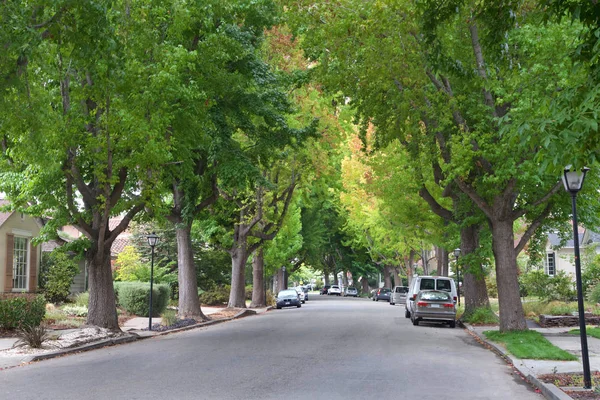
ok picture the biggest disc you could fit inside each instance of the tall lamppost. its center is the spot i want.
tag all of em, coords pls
(573, 181)
(457, 254)
(152, 240)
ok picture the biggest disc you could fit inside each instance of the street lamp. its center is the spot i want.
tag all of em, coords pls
(573, 181)
(457, 254)
(152, 240)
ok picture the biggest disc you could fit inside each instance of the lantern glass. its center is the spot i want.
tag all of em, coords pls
(152, 239)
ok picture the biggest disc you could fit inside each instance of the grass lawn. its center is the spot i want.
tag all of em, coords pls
(529, 344)
(593, 332)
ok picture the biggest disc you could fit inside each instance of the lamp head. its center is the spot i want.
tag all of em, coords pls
(457, 252)
(573, 180)
(152, 239)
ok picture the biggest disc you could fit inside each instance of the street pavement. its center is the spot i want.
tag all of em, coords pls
(330, 348)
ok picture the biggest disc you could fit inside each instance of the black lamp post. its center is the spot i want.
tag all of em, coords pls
(152, 240)
(457, 254)
(573, 181)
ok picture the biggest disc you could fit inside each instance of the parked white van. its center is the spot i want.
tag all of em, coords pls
(419, 283)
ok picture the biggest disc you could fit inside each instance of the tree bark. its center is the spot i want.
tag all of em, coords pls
(102, 308)
(474, 288)
(512, 316)
(258, 288)
(189, 303)
(387, 276)
(365, 285)
(239, 256)
(396, 276)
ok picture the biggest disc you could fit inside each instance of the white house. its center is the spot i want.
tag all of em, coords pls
(562, 258)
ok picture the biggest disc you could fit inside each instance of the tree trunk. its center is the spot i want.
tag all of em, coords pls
(396, 276)
(345, 278)
(512, 316)
(387, 276)
(239, 256)
(102, 309)
(442, 261)
(365, 285)
(474, 288)
(326, 274)
(258, 288)
(280, 282)
(189, 303)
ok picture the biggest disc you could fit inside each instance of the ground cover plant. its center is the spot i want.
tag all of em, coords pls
(573, 380)
(593, 332)
(529, 345)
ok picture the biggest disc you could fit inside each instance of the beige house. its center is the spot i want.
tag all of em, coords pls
(562, 258)
(19, 258)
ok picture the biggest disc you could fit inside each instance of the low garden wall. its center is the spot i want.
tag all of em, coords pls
(552, 321)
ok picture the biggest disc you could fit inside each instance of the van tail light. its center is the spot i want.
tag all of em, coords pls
(455, 298)
(421, 304)
(447, 305)
(414, 296)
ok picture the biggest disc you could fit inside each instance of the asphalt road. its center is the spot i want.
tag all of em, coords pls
(331, 348)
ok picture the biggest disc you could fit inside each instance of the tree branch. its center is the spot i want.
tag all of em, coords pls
(478, 200)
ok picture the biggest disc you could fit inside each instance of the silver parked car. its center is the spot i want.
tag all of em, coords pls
(398, 295)
(288, 298)
(351, 292)
(434, 305)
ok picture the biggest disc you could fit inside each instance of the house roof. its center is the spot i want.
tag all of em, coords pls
(118, 245)
(4, 215)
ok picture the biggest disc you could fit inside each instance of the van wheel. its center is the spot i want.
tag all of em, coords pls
(391, 304)
(415, 322)
(452, 324)
(299, 305)
(406, 314)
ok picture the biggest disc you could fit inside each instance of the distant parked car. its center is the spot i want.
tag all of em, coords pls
(382, 294)
(306, 289)
(325, 289)
(351, 292)
(288, 298)
(301, 294)
(434, 305)
(334, 290)
(398, 295)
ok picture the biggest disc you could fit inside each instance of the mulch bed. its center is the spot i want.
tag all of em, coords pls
(564, 381)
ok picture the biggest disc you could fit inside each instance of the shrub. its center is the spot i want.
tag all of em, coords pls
(271, 300)
(32, 336)
(481, 316)
(594, 294)
(78, 311)
(248, 292)
(17, 310)
(548, 288)
(215, 296)
(492, 287)
(133, 297)
(168, 318)
(57, 275)
(82, 299)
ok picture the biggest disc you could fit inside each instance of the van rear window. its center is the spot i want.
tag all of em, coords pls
(444, 284)
(427, 284)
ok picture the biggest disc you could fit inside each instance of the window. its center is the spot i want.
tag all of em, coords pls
(427, 284)
(20, 257)
(444, 284)
(550, 264)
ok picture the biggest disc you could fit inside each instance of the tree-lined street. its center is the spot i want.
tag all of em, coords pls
(331, 348)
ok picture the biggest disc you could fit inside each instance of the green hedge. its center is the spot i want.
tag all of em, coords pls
(133, 297)
(18, 310)
(216, 296)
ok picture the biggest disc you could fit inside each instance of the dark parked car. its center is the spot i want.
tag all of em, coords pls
(382, 294)
(288, 298)
(325, 289)
(434, 305)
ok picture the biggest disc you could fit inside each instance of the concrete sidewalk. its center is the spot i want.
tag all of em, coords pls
(134, 329)
(531, 369)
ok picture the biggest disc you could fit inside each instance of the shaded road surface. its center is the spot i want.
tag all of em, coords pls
(331, 348)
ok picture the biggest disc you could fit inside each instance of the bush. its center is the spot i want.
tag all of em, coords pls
(249, 292)
(134, 296)
(82, 299)
(271, 300)
(492, 287)
(32, 336)
(548, 288)
(168, 318)
(77, 311)
(594, 294)
(215, 296)
(57, 274)
(481, 316)
(18, 310)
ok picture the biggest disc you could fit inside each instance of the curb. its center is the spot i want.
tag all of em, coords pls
(549, 391)
(132, 337)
